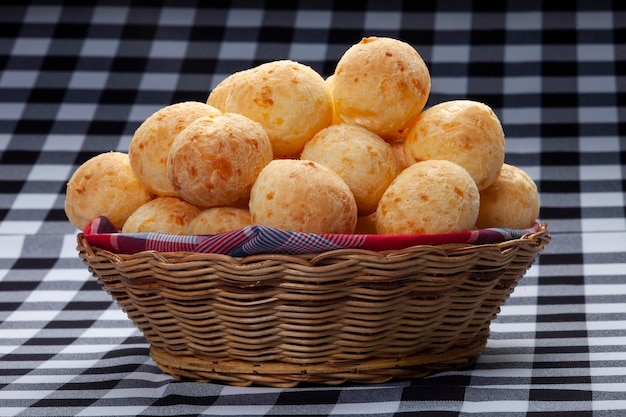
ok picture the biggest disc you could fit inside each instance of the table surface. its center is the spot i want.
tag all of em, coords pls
(77, 81)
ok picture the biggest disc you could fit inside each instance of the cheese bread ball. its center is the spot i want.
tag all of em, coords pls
(104, 185)
(215, 160)
(366, 225)
(151, 142)
(380, 83)
(219, 220)
(362, 158)
(289, 99)
(162, 214)
(302, 196)
(463, 131)
(398, 153)
(435, 196)
(336, 119)
(218, 95)
(512, 201)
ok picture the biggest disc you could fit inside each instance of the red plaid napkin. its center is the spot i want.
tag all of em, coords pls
(259, 239)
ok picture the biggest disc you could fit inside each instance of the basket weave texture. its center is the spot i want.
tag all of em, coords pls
(346, 315)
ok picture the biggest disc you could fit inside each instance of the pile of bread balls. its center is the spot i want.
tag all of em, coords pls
(280, 146)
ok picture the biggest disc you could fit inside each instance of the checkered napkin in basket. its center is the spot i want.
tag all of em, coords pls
(258, 239)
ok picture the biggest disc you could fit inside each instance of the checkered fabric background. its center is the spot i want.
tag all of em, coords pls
(77, 80)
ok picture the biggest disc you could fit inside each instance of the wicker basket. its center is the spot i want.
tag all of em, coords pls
(329, 318)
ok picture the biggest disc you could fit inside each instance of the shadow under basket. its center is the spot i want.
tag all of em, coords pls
(346, 315)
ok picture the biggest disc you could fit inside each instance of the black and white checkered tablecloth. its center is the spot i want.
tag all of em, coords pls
(77, 80)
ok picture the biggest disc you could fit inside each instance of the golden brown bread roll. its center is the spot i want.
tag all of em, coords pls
(512, 201)
(336, 119)
(162, 214)
(219, 220)
(104, 185)
(434, 196)
(215, 160)
(362, 158)
(398, 153)
(302, 196)
(290, 100)
(380, 83)
(463, 131)
(366, 225)
(151, 142)
(218, 95)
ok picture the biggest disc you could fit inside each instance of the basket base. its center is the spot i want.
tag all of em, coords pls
(286, 375)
